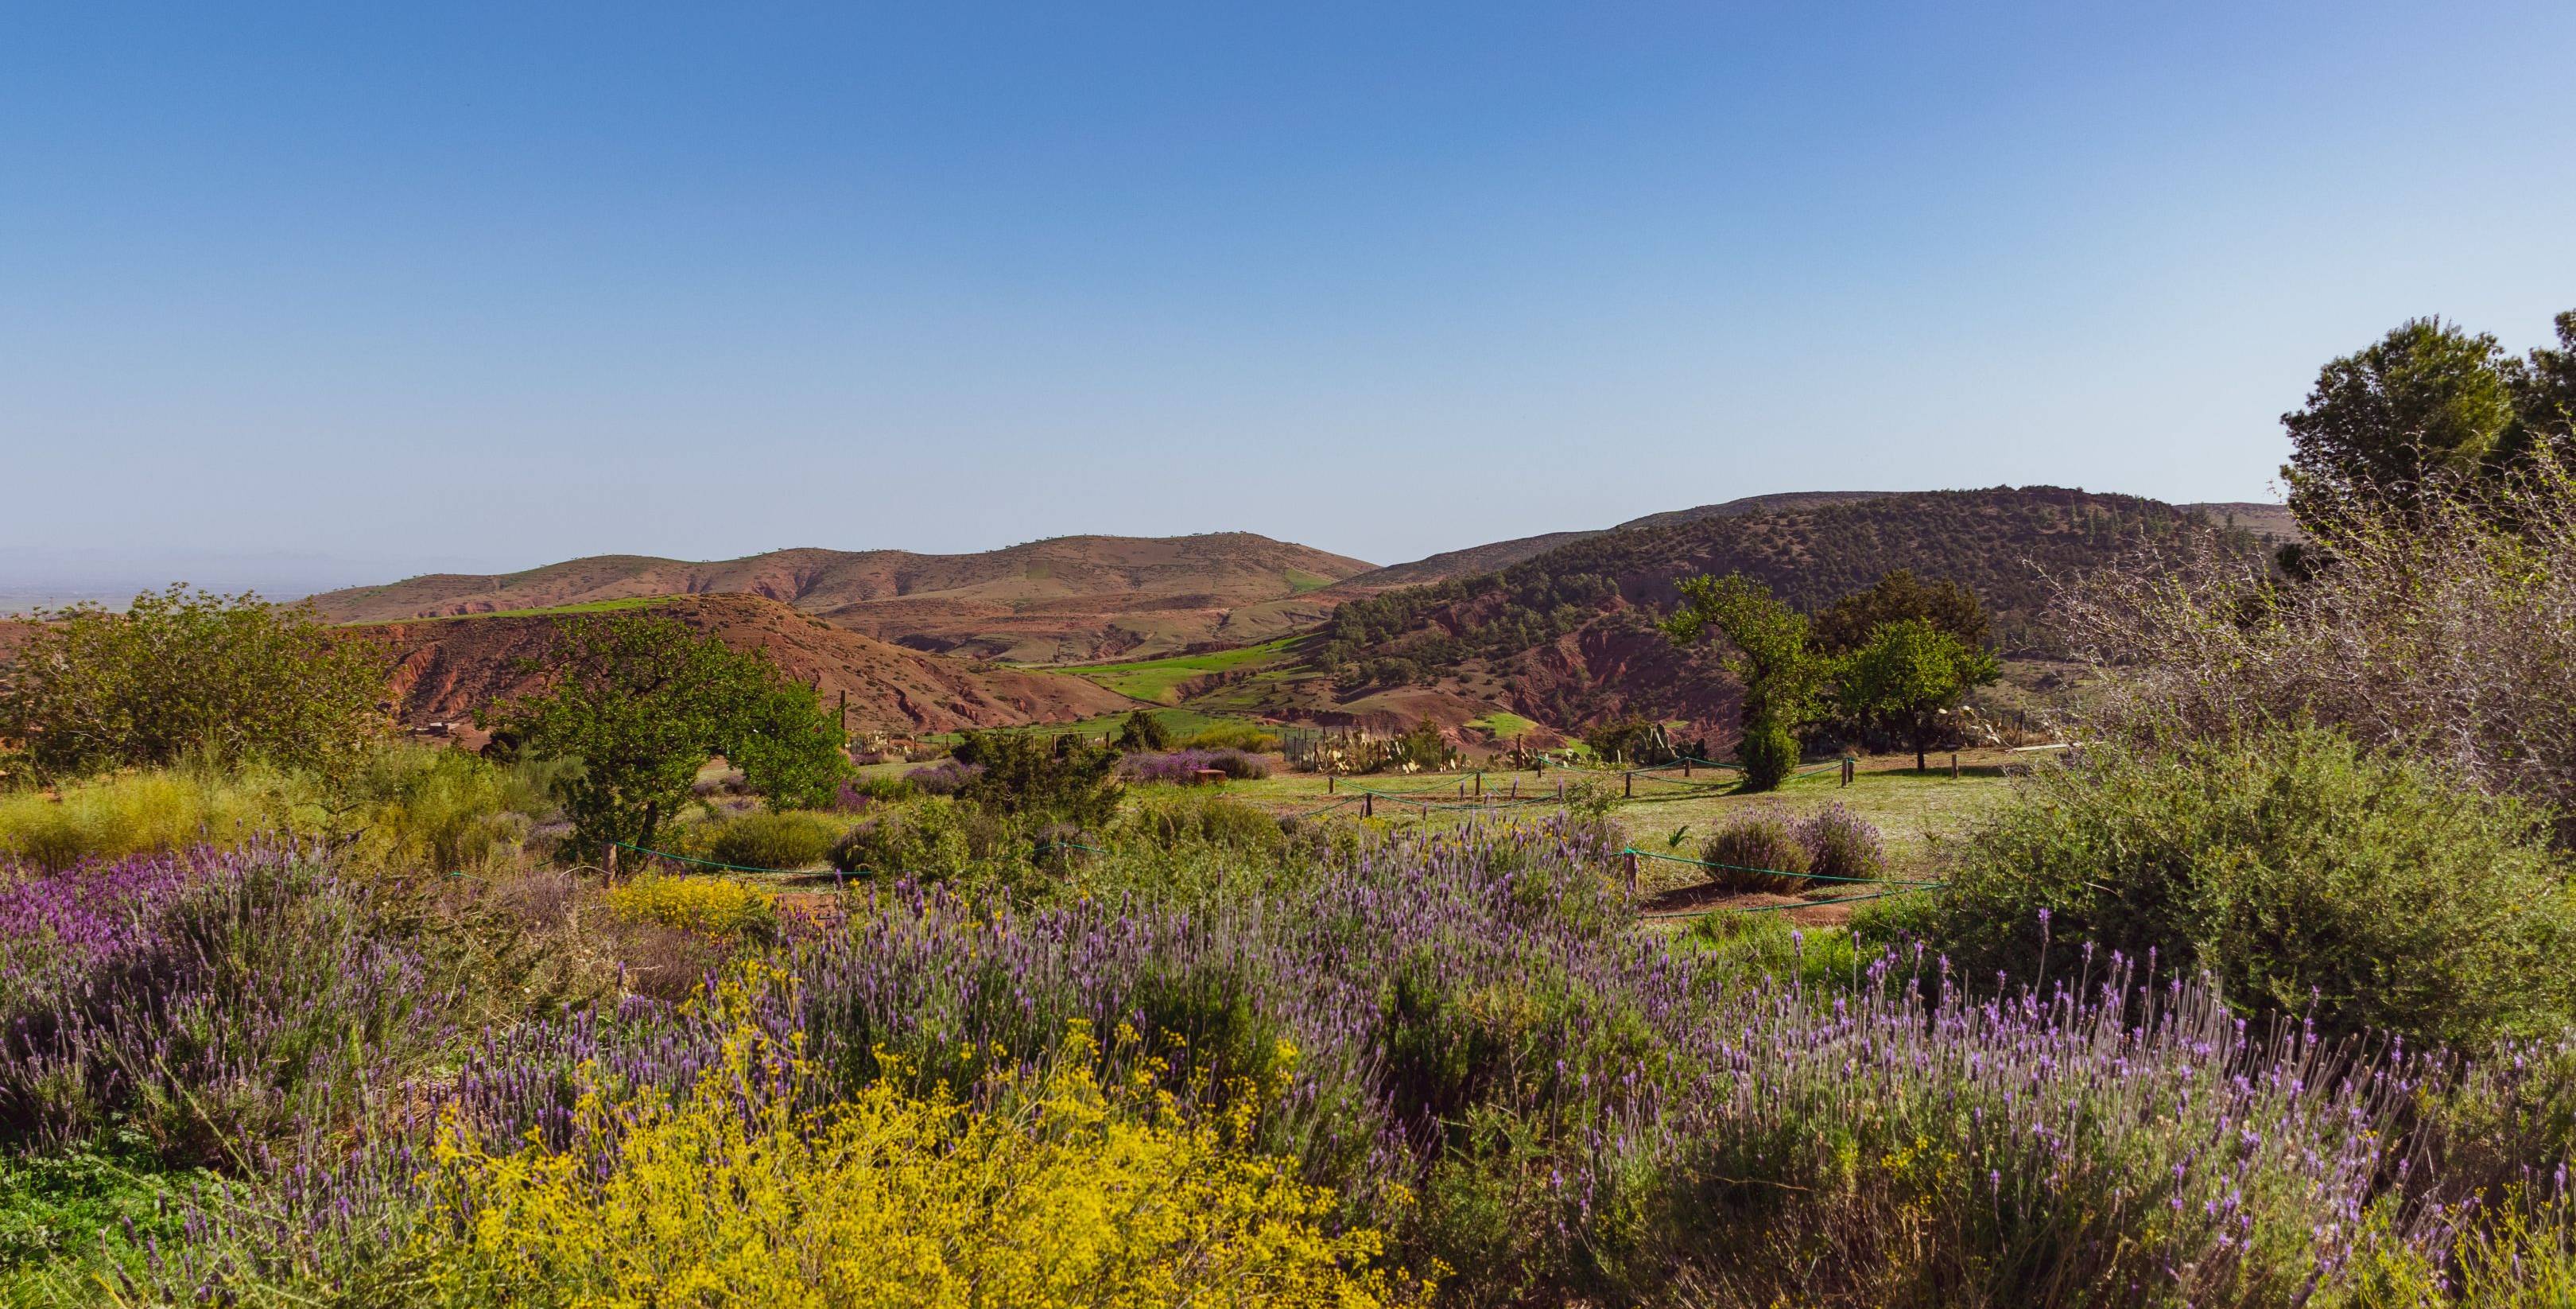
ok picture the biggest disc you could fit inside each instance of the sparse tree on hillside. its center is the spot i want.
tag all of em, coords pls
(191, 674)
(645, 702)
(1908, 676)
(1781, 672)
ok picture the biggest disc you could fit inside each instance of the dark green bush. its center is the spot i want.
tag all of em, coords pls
(1769, 755)
(1143, 731)
(1762, 839)
(768, 840)
(2300, 871)
(925, 840)
(1067, 778)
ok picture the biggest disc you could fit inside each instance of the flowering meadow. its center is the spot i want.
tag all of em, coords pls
(1446, 1067)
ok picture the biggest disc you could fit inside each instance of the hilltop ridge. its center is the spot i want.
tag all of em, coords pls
(1057, 600)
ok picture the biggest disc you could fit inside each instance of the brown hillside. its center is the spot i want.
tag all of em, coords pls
(1441, 567)
(2270, 522)
(1568, 637)
(444, 671)
(1063, 600)
(1779, 502)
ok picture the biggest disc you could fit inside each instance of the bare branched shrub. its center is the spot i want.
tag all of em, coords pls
(2444, 631)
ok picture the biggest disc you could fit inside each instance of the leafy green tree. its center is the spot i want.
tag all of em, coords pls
(1847, 624)
(1781, 672)
(2428, 402)
(192, 674)
(1909, 675)
(2544, 397)
(1144, 732)
(644, 702)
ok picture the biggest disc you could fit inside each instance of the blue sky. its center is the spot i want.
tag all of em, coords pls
(368, 290)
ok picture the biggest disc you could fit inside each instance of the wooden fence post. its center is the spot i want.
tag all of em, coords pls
(1848, 763)
(1685, 765)
(608, 860)
(1480, 783)
(1954, 765)
(1632, 872)
(1627, 786)
(1368, 805)
(1328, 783)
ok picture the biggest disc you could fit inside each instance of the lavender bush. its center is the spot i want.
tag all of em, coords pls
(1184, 766)
(1479, 1052)
(1579, 1113)
(947, 777)
(213, 1001)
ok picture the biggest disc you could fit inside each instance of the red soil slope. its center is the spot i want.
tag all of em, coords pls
(443, 671)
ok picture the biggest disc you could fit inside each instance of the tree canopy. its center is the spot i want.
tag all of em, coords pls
(644, 702)
(183, 674)
(2429, 404)
(1907, 676)
(1847, 624)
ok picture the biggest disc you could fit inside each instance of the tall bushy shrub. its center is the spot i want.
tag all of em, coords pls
(1769, 754)
(2304, 874)
(185, 674)
(2437, 628)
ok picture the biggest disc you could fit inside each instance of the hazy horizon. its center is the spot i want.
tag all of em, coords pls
(328, 295)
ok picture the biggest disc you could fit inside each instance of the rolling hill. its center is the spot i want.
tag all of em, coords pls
(1567, 636)
(1066, 599)
(443, 670)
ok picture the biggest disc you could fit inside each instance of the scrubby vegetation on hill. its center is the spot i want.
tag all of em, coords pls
(1571, 635)
(2005, 545)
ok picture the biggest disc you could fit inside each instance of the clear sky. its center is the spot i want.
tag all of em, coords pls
(370, 289)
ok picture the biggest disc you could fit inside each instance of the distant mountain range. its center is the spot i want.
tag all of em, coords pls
(1063, 600)
(1557, 627)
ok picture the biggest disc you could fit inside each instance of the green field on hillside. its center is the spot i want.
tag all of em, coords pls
(1159, 680)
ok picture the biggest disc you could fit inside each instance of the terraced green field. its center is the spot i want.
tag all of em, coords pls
(1158, 681)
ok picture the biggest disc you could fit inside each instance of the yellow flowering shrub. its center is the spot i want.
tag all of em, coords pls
(714, 905)
(1076, 1194)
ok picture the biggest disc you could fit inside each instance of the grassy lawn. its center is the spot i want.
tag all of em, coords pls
(1158, 680)
(1299, 583)
(1182, 723)
(1910, 809)
(1503, 724)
